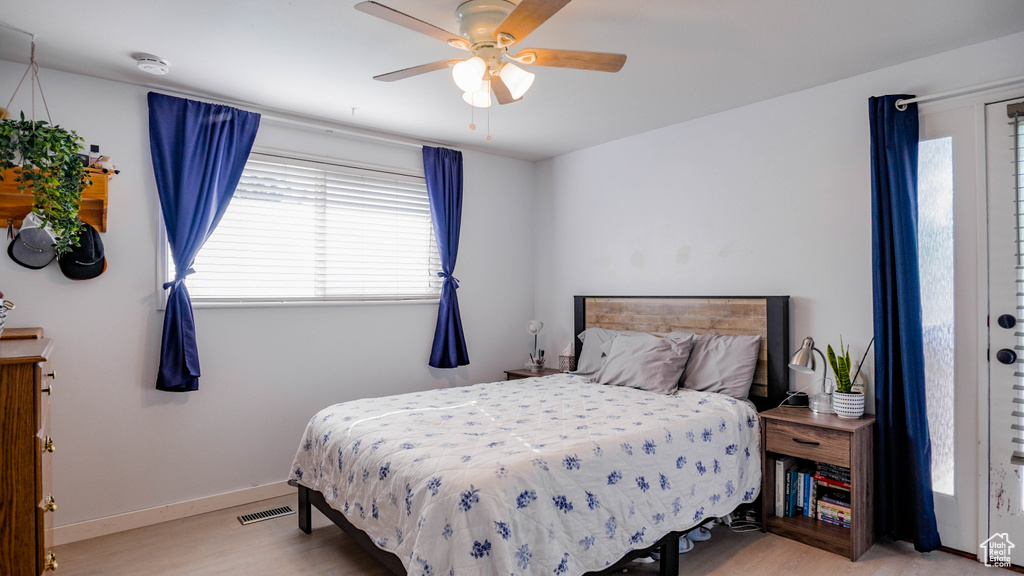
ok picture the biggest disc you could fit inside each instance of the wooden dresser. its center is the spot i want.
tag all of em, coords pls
(26, 503)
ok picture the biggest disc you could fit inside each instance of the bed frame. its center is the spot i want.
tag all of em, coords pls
(764, 315)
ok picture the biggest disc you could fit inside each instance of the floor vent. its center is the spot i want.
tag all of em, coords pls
(265, 515)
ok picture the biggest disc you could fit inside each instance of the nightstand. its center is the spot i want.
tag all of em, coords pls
(524, 373)
(826, 438)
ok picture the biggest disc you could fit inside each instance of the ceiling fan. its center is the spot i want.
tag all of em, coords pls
(488, 28)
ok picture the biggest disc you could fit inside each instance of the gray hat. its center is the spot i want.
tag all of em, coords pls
(33, 247)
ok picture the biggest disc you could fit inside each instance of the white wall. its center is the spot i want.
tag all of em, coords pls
(772, 198)
(768, 199)
(124, 446)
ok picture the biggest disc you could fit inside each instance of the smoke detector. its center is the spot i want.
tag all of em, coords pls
(152, 64)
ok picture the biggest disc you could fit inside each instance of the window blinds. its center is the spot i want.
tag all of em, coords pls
(1016, 113)
(307, 231)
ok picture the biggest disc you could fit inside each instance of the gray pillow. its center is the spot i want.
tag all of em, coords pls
(646, 362)
(595, 341)
(724, 364)
(591, 357)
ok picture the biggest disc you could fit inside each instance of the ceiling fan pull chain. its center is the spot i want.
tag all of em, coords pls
(488, 121)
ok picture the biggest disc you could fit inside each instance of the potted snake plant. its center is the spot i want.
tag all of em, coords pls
(846, 403)
(44, 161)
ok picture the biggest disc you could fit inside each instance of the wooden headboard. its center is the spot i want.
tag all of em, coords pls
(764, 315)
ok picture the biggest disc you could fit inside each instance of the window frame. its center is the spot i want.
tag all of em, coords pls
(164, 262)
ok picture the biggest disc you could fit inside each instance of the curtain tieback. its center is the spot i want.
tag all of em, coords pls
(179, 278)
(449, 278)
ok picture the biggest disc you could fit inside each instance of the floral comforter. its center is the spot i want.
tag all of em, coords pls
(550, 475)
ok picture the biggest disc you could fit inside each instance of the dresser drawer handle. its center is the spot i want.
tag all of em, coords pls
(806, 442)
(51, 561)
(50, 504)
(48, 445)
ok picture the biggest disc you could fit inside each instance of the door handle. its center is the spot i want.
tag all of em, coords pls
(1006, 356)
(1007, 321)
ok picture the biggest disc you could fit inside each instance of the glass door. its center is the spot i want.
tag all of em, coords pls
(948, 246)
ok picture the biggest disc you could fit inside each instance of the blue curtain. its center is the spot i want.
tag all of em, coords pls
(443, 169)
(903, 498)
(199, 151)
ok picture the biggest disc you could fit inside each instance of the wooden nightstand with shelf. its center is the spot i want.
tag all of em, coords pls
(526, 373)
(790, 431)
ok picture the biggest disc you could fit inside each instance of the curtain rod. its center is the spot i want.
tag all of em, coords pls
(306, 121)
(901, 104)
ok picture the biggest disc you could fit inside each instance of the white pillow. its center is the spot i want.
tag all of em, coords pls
(646, 362)
(724, 364)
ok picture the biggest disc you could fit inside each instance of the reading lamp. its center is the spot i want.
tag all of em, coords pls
(803, 361)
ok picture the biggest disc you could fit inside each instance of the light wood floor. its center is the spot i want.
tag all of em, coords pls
(216, 543)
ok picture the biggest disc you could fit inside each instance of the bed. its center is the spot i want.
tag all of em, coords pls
(556, 474)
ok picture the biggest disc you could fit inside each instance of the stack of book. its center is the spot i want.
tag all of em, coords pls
(834, 494)
(815, 490)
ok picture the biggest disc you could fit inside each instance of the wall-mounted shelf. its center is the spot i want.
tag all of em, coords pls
(15, 205)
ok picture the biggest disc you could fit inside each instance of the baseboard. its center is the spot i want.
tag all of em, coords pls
(138, 519)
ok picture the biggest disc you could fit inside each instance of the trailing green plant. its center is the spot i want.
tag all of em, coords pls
(47, 165)
(841, 367)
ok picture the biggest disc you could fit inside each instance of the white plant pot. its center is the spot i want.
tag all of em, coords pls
(848, 405)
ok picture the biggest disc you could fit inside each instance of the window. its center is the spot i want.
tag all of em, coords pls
(935, 250)
(308, 231)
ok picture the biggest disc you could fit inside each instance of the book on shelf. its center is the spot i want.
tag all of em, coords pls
(782, 468)
(834, 514)
(800, 476)
(810, 495)
(799, 490)
(812, 489)
(833, 472)
(834, 522)
(831, 481)
(833, 495)
(791, 484)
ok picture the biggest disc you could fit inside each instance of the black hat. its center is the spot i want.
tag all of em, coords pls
(86, 260)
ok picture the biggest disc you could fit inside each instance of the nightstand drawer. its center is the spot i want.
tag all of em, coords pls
(813, 443)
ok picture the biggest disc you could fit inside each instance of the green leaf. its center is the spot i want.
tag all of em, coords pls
(46, 164)
(841, 367)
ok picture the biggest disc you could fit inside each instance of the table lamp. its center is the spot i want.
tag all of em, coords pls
(537, 357)
(803, 361)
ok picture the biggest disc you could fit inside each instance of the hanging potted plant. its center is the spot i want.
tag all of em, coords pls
(845, 402)
(44, 161)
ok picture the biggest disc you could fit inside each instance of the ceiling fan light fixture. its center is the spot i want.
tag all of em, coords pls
(517, 79)
(468, 74)
(479, 98)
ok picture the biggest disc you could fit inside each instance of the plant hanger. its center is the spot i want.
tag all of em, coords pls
(44, 161)
(33, 67)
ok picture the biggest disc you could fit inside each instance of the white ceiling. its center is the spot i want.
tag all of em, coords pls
(687, 58)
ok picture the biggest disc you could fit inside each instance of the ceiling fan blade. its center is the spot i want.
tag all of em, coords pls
(395, 17)
(415, 70)
(527, 16)
(501, 91)
(599, 61)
